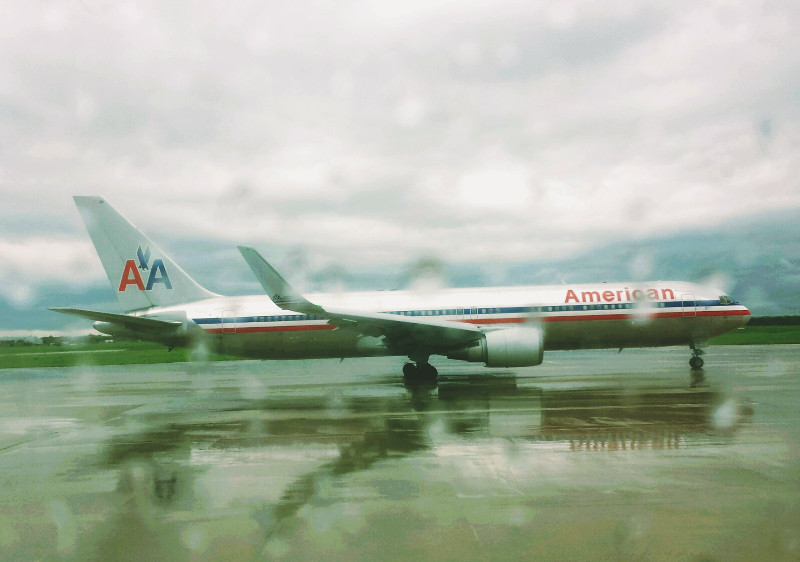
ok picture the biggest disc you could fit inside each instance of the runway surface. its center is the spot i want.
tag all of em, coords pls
(592, 455)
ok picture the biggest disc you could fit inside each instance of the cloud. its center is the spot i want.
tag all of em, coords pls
(377, 132)
(32, 263)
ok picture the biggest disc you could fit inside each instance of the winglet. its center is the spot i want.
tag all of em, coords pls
(276, 287)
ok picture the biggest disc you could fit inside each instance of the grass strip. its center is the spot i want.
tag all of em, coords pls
(111, 353)
(144, 353)
(759, 335)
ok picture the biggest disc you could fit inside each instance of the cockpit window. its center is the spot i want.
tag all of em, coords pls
(724, 299)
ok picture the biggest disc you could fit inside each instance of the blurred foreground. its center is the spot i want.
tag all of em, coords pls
(591, 455)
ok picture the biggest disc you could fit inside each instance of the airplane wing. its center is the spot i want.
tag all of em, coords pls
(136, 323)
(399, 332)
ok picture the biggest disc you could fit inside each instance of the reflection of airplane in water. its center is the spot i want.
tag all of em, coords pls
(500, 327)
(590, 418)
(615, 420)
(346, 434)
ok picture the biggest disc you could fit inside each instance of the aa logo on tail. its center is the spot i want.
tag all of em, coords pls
(131, 275)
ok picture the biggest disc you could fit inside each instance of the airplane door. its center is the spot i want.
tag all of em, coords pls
(226, 326)
(689, 305)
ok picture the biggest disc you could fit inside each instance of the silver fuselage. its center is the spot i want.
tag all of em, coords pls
(607, 315)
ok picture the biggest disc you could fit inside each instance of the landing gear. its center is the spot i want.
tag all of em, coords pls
(421, 372)
(696, 362)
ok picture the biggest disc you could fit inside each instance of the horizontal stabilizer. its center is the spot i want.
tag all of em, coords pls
(135, 323)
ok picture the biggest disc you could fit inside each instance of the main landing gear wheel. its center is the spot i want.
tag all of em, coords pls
(421, 372)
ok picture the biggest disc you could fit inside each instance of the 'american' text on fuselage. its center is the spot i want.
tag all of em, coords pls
(620, 295)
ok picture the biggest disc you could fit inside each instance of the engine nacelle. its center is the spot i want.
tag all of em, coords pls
(512, 347)
(111, 329)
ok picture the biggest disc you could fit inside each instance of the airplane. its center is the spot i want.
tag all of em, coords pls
(501, 327)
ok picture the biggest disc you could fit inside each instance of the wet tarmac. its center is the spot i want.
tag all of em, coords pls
(592, 455)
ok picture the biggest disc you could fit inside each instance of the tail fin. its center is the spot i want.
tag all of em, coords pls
(140, 273)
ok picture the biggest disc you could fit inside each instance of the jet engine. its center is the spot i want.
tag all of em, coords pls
(511, 347)
(111, 329)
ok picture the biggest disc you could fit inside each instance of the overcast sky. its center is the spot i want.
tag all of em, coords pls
(368, 132)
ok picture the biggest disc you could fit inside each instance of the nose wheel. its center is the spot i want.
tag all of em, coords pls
(696, 362)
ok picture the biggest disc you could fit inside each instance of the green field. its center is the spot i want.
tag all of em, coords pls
(759, 335)
(107, 353)
(137, 353)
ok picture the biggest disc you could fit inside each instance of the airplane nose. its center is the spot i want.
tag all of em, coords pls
(746, 316)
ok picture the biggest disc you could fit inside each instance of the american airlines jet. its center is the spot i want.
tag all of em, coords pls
(496, 326)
